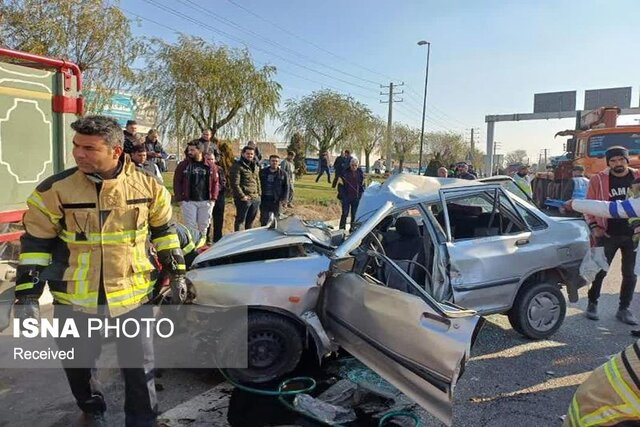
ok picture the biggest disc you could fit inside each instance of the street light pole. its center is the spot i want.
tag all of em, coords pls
(424, 104)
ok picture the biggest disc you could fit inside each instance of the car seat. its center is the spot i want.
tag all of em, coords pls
(405, 250)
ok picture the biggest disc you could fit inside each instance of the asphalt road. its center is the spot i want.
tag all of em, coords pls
(509, 380)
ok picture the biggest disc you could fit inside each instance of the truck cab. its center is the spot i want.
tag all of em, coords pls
(39, 98)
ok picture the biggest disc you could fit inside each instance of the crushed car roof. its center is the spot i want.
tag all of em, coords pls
(405, 189)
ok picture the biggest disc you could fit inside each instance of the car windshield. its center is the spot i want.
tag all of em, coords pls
(510, 185)
(598, 144)
(317, 231)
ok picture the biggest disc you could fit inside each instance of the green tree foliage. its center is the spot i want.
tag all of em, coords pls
(405, 140)
(93, 34)
(325, 118)
(369, 137)
(198, 85)
(297, 145)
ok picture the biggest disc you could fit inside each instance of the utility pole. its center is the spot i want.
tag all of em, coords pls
(496, 145)
(390, 118)
(473, 146)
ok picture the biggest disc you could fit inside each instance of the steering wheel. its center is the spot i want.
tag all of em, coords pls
(373, 242)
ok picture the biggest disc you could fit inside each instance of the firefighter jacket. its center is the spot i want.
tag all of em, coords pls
(523, 183)
(87, 236)
(190, 238)
(611, 394)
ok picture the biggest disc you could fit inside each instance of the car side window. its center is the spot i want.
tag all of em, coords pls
(530, 218)
(482, 215)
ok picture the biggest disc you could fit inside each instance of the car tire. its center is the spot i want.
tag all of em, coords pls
(538, 311)
(274, 348)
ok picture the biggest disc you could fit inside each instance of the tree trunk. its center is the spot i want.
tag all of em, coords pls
(366, 159)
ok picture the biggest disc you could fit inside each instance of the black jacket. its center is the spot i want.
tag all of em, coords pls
(280, 186)
(129, 141)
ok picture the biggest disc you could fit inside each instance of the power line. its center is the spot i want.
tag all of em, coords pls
(437, 110)
(231, 23)
(179, 14)
(307, 41)
(432, 121)
(280, 70)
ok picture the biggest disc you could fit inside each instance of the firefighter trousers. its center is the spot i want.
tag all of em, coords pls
(140, 404)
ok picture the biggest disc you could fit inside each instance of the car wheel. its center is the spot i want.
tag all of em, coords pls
(274, 348)
(538, 311)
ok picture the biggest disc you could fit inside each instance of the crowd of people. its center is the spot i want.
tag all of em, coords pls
(113, 195)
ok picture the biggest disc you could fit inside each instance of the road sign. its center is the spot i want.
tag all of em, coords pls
(554, 102)
(121, 107)
(613, 97)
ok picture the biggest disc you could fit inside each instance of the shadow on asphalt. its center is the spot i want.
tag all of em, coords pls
(516, 371)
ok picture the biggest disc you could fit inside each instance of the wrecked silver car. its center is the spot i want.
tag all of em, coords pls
(392, 292)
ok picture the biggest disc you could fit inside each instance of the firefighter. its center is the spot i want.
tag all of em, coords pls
(86, 230)
(192, 243)
(610, 396)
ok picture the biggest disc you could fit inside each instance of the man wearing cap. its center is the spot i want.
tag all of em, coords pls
(462, 171)
(614, 233)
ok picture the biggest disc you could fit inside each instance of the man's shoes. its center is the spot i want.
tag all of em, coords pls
(592, 311)
(625, 316)
(290, 206)
(635, 333)
(94, 419)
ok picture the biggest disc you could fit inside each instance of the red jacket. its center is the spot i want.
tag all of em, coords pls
(599, 190)
(181, 180)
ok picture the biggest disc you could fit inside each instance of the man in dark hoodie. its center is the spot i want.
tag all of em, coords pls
(275, 189)
(130, 138)
(217, 217)
(244, 180)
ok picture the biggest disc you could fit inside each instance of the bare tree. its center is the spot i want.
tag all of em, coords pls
(325, 118)
(516, 156)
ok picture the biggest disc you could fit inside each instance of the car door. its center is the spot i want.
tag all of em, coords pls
(490, 247)
(417, 344)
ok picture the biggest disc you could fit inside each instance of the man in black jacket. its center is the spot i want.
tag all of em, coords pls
(217, 216)
(275, 189)
(130, 138)
(340, 166)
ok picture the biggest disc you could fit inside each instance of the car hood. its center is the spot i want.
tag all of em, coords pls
(288, 232)
(250, 241)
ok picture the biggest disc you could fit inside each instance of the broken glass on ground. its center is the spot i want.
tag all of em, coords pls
(326, 412)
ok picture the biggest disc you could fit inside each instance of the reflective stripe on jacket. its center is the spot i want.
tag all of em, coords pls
(83, 231)
(523, 183)
(610, 395)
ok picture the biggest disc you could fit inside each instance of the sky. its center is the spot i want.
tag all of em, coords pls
(486, 57)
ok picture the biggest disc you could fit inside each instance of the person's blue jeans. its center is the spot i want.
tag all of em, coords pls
(348, 205)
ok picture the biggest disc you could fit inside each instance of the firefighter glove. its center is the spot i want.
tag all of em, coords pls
(178, 285)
